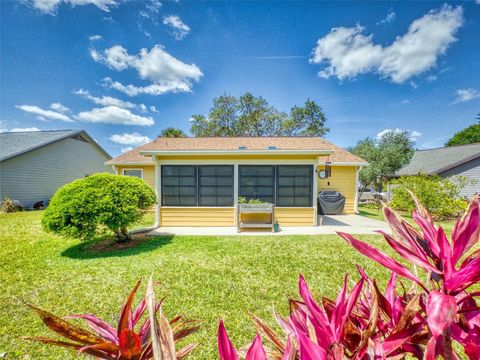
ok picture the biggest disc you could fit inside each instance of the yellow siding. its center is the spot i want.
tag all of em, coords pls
(294, 216)
(343, 179)
(148, 172)
(190, 216)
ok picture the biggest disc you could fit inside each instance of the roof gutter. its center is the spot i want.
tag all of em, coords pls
(344, 163)
(235, 152)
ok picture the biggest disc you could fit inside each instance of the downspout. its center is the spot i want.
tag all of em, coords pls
(115, 169)
(157, 192)
(355, 206)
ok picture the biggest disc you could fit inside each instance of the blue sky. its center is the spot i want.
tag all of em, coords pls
(124, 70)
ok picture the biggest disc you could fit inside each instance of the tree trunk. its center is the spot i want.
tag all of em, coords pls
(121, 235)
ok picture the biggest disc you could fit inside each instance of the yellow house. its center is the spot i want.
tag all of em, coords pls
(198, 181)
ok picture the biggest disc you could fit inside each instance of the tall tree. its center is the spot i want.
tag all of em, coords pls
(385, 156)
(249, 115)
(172, 132)
(469, 135)
(308, 120)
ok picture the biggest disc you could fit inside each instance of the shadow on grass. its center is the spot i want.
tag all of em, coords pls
(104, 247)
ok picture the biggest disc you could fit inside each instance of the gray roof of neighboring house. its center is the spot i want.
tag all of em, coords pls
(16, 143)
(435, 161)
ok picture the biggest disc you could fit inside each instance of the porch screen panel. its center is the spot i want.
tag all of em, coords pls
(294, 185)
(257, 182)
(179, 185)
(215, 185)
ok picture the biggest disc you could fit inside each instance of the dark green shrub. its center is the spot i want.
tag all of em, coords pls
(440, 196)
(80, 208)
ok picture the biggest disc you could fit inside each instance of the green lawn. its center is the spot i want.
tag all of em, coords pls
(375, 213)
(204, 278)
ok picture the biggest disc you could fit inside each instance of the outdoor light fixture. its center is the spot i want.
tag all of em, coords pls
(326, 172)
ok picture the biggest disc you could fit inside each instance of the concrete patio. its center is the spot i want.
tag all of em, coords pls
(352, 224)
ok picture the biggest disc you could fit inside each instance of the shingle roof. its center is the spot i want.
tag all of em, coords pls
(233, 143)
(437, 160)
(16, 143)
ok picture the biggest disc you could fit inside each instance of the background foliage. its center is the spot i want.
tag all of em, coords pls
(385, 156)
(469, 135)
(440, 196)
(249, 115)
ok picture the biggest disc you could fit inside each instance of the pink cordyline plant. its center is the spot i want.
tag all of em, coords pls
(451, 311)
(152, 339)
(366, 324)
(360, 324)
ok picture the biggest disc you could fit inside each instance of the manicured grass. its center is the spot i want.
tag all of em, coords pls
(375, 213)
(204, 278)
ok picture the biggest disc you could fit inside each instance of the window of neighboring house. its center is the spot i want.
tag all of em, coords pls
(257, 182)
(215, 185)
(192, 185)
(133, 172)
(294, 185)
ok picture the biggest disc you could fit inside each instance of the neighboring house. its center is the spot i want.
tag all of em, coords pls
(448, 161)
(199, 180)
(33, 165)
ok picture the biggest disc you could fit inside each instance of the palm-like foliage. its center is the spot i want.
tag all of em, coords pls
(129, 340)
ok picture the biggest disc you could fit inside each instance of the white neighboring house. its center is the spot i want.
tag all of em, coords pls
(33, 165)
(463, 160)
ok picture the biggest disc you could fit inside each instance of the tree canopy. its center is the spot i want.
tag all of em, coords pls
(249, 115)
(385, 156)
(172, 132)
(469, 135)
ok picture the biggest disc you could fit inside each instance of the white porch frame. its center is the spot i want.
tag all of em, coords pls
(235, 162)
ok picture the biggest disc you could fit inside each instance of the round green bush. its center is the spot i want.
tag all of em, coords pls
(440, 196)
(81, 208)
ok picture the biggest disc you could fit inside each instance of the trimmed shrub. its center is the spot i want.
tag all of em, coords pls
(81, 208)
(440, 196)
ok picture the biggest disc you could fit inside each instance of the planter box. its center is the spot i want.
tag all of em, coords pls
(249, 210)
(255, 208)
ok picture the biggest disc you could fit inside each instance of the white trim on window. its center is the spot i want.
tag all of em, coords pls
(136, 169)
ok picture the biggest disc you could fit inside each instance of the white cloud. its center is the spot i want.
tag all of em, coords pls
(114, 115)
(153, 109)
(178, 28)
(462, 95)
(347, 52)
(127, 148)
(27, 129)
(151, 9)
(44, 114)
(56, 106)
(414, 135)
(166, 73)
(95, 37)
(105, 100)
(51, 6)
(133, 139)
(405, 101)
(389, 18)
(154, 89)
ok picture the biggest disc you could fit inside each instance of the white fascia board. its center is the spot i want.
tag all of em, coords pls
(235, 152)
(133, 163)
